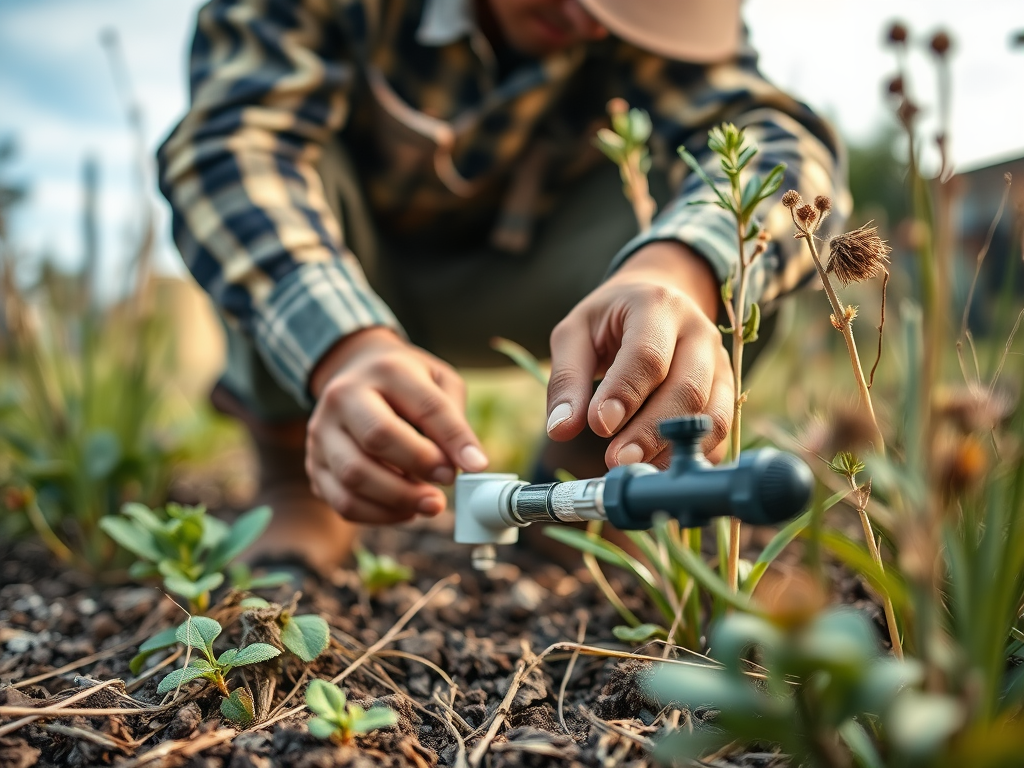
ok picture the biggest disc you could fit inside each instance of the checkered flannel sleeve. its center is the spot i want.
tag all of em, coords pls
(685, 102)
(249, 213)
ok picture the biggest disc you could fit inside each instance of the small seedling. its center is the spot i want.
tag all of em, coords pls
(305, 636)
(379, 572)
(338, 720)
(199, 632)
(189, 548)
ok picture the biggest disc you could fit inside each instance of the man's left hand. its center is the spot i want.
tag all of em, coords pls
(650, 331)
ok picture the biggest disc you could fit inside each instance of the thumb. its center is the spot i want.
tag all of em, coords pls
(573, 363)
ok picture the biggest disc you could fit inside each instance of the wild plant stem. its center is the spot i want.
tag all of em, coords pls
(738, 318)
(876, 555)
(846, 328)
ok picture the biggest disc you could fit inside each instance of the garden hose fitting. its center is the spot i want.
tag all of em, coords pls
(765, 486)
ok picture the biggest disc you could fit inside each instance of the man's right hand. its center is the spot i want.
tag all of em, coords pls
(388, 423)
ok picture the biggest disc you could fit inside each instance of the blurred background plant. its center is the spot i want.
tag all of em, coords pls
(947, 496)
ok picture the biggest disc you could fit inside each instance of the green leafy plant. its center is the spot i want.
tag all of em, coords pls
(199, 633)
(306, 636)
(186, 546)
(338, 720)
(827, 695)
(379, 572)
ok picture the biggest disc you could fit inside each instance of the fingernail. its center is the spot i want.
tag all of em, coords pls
(431, 505)
(611, 413)
(443, 476)
(561, 412)
(630, 454)
(473, 459)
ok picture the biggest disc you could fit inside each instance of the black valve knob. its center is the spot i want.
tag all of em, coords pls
(686, 434)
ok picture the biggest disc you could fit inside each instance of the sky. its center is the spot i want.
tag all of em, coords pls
(59, 101)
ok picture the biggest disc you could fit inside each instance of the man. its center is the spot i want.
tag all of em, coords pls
(371, 188)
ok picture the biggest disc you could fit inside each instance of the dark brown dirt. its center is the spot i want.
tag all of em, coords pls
(480, 632)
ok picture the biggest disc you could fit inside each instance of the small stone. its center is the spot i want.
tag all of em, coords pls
(528, 595)
(87, 606)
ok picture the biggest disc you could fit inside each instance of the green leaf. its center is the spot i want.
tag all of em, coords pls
(745, 156)
(305, 636)
(253, 602)
(321, 728)
(775, 178)
(372, 719)
(132, 537)
(199, 632)
(325, 699)
(238, 708)
(521, 357)
(639, 126)
(245, 530)
(919, 724)
(270, 580)
(255, 653)
(142, 569)
(227, 659)
(775, 547)
(192, 590)
(157, 642)
(752, 324)
(861, 747)
(102, 454)
(215, 532)
(749, 198)
(638, 635)
(179, 677)
(610, 553)
(707, 578)
(691, 161)
(143, 516)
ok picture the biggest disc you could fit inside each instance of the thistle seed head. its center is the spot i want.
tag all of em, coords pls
(858, 255)
(823, 204)
(792, 199)
(941, 43)
(974, 411)
(845, 428)
(897, 33)
(806, 214)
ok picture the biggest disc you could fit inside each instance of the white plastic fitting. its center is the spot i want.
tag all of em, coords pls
(481, 508)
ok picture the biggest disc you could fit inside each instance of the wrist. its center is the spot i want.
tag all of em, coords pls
(345, 350)
(681, 267)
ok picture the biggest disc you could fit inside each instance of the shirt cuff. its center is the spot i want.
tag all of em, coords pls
(711, 233)
(307, 313)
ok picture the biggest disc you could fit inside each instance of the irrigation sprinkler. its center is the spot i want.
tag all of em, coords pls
(765, 486)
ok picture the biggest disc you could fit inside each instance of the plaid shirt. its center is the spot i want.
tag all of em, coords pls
(447, 138)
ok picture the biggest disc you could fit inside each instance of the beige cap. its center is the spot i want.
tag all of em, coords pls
(700, 31)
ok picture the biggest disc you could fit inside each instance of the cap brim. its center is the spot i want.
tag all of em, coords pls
(701, 31)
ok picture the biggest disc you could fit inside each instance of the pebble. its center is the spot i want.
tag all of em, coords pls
(528, 595)
(87, 606)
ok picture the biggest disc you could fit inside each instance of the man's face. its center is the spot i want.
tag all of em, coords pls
(540, 27)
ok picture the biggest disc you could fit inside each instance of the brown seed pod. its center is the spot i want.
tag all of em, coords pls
(806, 214)
(792, 199)
(823, 204)
(897, 33)
(858, 255)
(962, 464)
(941, 43)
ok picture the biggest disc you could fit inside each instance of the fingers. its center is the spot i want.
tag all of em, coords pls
(573, 363)
(699, 380)
(641, 364)
(362, 489)
(383, 435)
(422, 401)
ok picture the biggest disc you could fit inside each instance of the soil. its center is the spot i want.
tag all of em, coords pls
(483, 631)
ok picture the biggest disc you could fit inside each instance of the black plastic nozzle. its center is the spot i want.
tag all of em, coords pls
(765, 486)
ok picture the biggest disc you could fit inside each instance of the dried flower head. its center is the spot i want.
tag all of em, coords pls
(806, 214)
(940, 43)
(972, 411)
(791, 598)
(792, 199)
(897, 33)
(823, 204)
(846, 428)
(858, 255)
(963, 464)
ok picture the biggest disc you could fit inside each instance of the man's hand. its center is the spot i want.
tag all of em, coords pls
(650, 331)
(388, 422)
